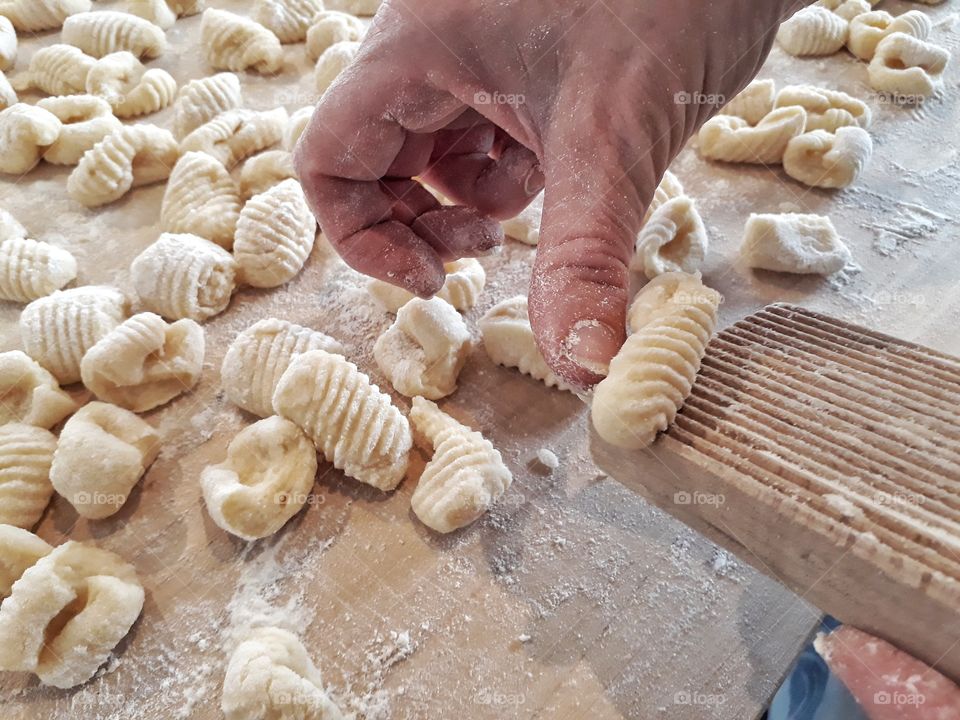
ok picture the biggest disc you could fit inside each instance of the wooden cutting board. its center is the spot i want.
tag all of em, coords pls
(828, 456)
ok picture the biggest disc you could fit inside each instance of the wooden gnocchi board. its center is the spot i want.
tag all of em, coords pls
(575, 594)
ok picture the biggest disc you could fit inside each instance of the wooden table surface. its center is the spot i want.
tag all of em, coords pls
(574, 597)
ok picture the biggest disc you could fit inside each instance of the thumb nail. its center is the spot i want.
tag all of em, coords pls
(591, 344)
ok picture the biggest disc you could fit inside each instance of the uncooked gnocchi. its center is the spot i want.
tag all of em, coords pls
(672, 320)
(30, 269)
(355, 7)
(10, 227)
(234, 42)
(26, 131)
(86, 120)
(465, 476)
(19, 549)
(906, 66)
(59, 70)
(201, 199)
(133, 156)
(8, 96)
(509, 341)
(67, 612)
(333, 61)
(465, 281)
(275, 235)
(353, 424)
(525, 227)
(753, 103)
(828, 160)
(329, 28)
(826, 109)
(144, 363)
(131, 89)
(814, 30)
(265, 480)
(157, 12)
(264, 171)
(847, 9)
(729, 138)
(37, 15)
(674, 238)
(424, 350)
(108, 31)
(184, 276)
(793, 243)
(29, 394)
(58, 329)
(287, 19)
(8, 43)
(296, 126)
(259, 356)
(26, 453)
(237, 134)
(103, 452)
(271, 675)
(869, 29)
(201, 100)
(670, 188)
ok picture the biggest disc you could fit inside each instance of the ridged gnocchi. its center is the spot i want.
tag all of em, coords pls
(201, 198)
(525, 227)
(465, 476)
(258, 357)
(906, 66)
(826, 109)
(235, 135)
(814, 30)
(157, 12)
(184, 276)
(26, 131)
(201, 100)
(30, 269)
(38, 15)
(353, 424)
(264, 171)
(19, 549)
(59, 69)
(673, 239)
(26, 453)
(287, 19)
(86, 120)
(144, 363)
(29, 394)
(131, 89)
(828, 160)
(333, 61)
(8, 96)
(103, 452)
(331, 27)
(8, 43)
(753, 103)
(729, 138)
(104, 32)
(234, 42)
(275, 235)
(869, 29)
(296, 126)
(264, 481)
(424, 350)
(465, 281)
(355, 7)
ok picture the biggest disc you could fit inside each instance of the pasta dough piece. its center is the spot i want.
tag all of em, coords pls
(847, 9)
(131, 89)
(58, 329)
(67, 613)
(826, 109)
(108, 31)
(508, 339)
(333, 61)
(86, 120)
(270, 675)
(133, 156)
(525, 227)
(331, 27)
(10, 227)
(237, 134)
(29, 394)
(37, 15)
(157, 12)
(672, 319)
(8, 43)
(201, 199)
(275, 235)
(26, 131)
(355, 7)
(264, 171)
(8, 96)
(828, 160)
(794, 243)
(673, 239)
(265, 480)
(295, 127)
(906, 66)
(869, 29)
(30, 269)
(184, 276)
(59, 70)
(465, 281)
(103, 452)
(351, 422)
(259, 356)
(731, 139)
(753, 103)
(201, 100)
(287, 19)
(465, 476)
(144, 363)
(187, 7)
(234, 42)
(813, 31)
(19, 550)
(26, 453)
(424, 350)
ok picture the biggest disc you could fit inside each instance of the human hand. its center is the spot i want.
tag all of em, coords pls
(887, 683)
(488, 101)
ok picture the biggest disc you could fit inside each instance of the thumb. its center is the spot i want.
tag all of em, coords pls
(579, 288)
